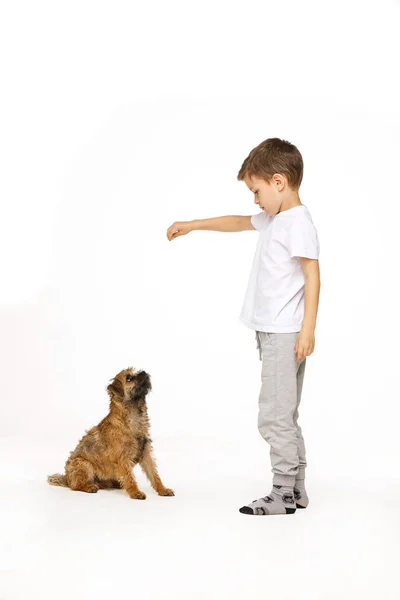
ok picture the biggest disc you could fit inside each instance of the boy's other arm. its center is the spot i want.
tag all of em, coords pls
(306, 339)
(230, 223)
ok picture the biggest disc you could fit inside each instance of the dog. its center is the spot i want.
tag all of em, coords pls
(105, 456)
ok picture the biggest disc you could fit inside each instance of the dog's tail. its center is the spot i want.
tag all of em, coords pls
(57, 479)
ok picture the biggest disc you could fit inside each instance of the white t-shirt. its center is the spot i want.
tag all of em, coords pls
(274, 301)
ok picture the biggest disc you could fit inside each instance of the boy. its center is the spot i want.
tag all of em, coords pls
(281, 305)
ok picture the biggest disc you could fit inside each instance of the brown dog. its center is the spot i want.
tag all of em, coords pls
(105, 456)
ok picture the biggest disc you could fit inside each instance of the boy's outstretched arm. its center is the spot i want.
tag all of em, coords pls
(229, 223)
(306, 339)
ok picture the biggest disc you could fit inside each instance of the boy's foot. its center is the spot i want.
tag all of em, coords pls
(280, 501)
(300, 494)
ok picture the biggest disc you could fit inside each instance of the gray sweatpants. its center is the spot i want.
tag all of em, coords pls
(282, 382)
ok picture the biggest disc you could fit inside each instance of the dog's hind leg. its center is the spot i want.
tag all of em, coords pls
(149, 467)
(81, 476)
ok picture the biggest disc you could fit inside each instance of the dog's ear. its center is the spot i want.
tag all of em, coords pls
(115, 388)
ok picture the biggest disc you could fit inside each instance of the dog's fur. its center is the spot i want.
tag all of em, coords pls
(105, 456)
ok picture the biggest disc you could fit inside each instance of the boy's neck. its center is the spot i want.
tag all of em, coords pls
(290, 200)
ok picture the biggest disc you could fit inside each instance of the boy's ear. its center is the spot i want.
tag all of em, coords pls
(115, 388)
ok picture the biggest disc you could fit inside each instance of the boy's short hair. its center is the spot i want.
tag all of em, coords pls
(274, 156)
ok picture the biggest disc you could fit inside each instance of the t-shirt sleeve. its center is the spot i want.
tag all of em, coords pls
(303, 240)
(259, 221)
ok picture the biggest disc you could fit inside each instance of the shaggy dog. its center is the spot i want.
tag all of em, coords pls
(105, 456)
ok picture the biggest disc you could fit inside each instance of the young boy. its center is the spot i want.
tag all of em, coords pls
(281, 305)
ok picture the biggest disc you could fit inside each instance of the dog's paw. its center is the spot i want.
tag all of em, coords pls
(92, 489)
(138, 496)
(166, 492)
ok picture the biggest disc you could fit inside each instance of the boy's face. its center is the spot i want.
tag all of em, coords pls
(266, 194)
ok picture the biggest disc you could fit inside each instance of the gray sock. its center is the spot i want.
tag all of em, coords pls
(280, 501)
(300, 494)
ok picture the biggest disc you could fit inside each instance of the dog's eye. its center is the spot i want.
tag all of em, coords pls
(129, 378)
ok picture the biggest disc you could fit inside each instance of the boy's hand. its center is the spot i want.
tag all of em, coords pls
(179, 228)
(304, 344)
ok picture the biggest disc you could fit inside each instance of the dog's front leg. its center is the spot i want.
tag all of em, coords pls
(149, 467)
(128, 482)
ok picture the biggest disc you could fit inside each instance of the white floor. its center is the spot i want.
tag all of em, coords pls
(61, 544)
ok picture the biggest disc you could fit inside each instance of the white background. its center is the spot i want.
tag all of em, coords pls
(116, 120)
